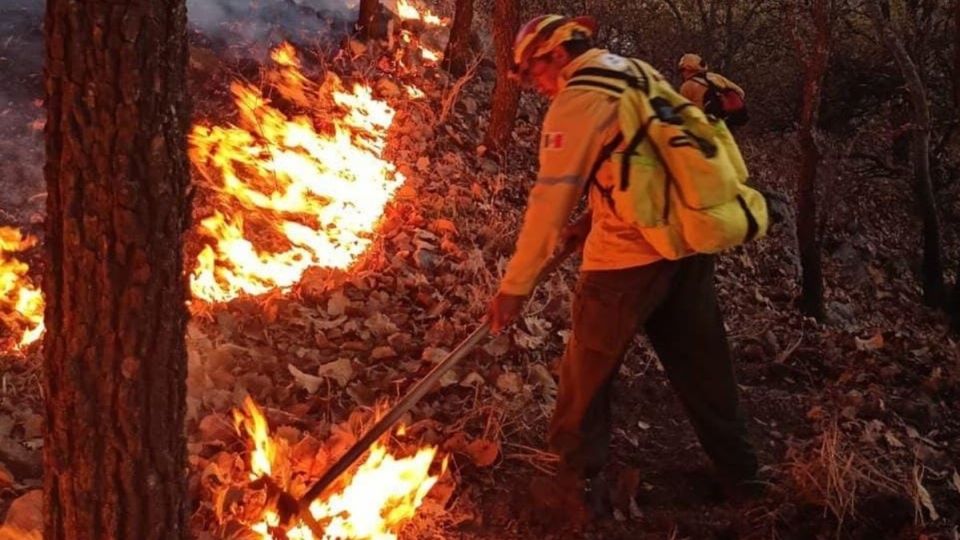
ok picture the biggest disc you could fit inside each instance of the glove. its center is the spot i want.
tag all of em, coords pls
(504, 310)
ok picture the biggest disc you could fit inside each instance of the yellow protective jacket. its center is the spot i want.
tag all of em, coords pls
(695, 88)
(577, 125)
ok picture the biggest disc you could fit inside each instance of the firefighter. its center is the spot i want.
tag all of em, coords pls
(712, 92)
(624, 284)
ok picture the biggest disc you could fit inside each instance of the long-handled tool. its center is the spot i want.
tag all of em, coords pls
(289, 506)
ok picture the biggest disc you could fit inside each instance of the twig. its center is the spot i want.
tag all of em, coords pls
(451, 97)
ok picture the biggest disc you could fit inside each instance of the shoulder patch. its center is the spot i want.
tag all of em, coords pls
(553, 140)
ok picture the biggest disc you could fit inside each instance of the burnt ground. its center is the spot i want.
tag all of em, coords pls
(856, 419)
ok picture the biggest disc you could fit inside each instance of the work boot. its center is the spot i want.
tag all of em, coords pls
(596, 495)
(741, 488)
(566, 500)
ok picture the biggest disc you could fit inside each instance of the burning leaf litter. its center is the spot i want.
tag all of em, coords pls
(21, 302)
(292, 192)
(374, 501)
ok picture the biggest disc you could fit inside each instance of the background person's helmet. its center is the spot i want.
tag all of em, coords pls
(691, 62)
(543, 34)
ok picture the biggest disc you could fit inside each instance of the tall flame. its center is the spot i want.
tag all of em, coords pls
(292, 191)
(383, 492)
(21, 302)
(406, 10)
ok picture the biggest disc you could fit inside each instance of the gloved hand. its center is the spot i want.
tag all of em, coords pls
(504, 310)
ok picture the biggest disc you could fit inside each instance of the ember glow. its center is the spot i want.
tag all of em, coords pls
(380, 495)
(21, 302)
(292, 191)
(406, 10)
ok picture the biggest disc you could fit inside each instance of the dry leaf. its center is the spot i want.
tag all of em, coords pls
(449, 378)
(339, 370)
(434, 355)
(456, 442)
(541, 375)
(380, 353)
(380, 325)
(956, 480)
(337, 304)
(482, 452)
(643, 425)
(310, 383)
(473, 379)
(445, 226)
(26, 514)
(498, 346)
(510, 383)
(925, 499)
(871, 344)
(892, 440)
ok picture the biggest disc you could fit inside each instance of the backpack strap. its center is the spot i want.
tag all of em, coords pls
(752, 226)
(605, 152)
(611, 81)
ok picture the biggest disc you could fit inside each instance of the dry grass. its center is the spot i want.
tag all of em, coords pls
(834, 475)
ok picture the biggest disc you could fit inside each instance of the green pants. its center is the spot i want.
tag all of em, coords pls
(675, 303)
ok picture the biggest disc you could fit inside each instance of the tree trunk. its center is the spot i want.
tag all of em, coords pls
(956, 57)
(955, 302)
(506, 93)
(114, 356)
(366, 21)
(814, 56)
(934, 289)
(457, 56)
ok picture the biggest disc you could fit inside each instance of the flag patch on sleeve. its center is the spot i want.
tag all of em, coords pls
(553, 141)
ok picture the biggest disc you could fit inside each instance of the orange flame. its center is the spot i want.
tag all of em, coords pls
(21, 302)
(381, 494)
(406, 10)
(292, 192)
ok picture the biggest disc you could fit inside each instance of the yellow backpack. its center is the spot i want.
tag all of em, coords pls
(679, 177)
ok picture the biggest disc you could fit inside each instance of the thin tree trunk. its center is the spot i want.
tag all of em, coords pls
(114, 356)
(955, 301)
(367, 19)
(506, 93)
(956, 57)
(457, 56)
(934, 289)
(814, 55)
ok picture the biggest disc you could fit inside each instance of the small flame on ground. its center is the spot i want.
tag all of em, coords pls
(406, 10)
(429, 54)
(414, 92)
(292, 191)
(378, 497)
(21, 301)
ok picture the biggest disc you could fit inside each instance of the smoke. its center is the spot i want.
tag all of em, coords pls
(248, 27)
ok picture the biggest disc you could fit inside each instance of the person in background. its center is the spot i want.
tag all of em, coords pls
(715, 94)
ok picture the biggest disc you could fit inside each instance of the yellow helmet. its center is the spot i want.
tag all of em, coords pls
(544, 33)
(691, 62)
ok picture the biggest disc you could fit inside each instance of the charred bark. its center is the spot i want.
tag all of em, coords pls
(814, 52)
(457, 56)
(366, 21)
(114, 356)
(506, 93)
(934, 289)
